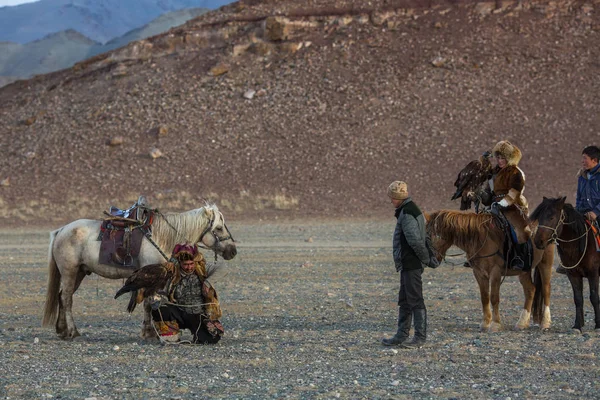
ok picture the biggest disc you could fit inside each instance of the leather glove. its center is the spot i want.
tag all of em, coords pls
(157, 301)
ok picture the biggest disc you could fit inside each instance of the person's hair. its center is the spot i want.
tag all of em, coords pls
(185, 257)
(592, 152)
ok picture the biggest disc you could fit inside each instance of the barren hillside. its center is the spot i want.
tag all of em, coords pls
(294, 109)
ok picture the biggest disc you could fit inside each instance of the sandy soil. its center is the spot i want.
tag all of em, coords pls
(305, 306)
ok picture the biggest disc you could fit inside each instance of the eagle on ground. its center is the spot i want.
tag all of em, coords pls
(145, 282)
(471, 181)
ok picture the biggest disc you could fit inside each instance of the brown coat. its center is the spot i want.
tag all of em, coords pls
(508, 184)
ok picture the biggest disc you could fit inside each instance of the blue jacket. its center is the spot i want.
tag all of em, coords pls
(410, 251)
(588, 191)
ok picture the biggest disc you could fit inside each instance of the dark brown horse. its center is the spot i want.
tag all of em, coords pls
(560, 222)
(483, 242)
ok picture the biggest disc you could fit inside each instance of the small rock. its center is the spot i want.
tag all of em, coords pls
(116, 141)
(30, 155)
(309, 240)
(438, 62)
(36, 340)
(218, 70)
(5, 182)
(395, 383)
(155, 153)
(249, 94)
(116, 348)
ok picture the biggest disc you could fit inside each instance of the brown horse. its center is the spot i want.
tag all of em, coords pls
(560, 222)
(483, 242)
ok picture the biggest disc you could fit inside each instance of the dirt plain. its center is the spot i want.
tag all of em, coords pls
(305, 305)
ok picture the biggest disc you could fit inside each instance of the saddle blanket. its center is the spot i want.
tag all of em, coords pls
(594, 229)
(120, 247)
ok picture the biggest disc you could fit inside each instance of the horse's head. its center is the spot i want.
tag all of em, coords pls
(550, 219)
(439, 242)
(216, 235)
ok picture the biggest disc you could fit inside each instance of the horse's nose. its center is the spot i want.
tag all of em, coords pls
(229, 252)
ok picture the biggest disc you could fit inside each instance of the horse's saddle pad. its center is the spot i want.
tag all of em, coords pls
(594, 229)
(120, 246)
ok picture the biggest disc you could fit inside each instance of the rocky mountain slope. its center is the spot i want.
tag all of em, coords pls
(288, 109)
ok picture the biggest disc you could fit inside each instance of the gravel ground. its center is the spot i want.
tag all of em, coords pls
(305, 306)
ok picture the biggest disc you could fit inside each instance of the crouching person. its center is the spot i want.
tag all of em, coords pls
(190, 302)
(410, 255)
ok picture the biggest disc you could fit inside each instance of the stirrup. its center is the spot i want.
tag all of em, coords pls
(517, 263)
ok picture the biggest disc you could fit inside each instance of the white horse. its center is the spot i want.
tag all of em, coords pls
(74, 253)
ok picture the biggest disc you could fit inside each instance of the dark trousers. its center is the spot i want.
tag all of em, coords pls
(411, 290)
(185, 320)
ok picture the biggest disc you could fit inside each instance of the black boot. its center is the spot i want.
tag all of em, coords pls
(521, 259)
(420, 330)
(404, 321)
(561, 270)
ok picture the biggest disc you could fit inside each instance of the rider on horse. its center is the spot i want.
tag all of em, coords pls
(507, 184)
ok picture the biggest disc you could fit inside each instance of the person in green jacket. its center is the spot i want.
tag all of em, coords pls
(410, 256)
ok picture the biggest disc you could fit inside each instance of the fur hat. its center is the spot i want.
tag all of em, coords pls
(185, 250)
(398, 190)
(509, 151)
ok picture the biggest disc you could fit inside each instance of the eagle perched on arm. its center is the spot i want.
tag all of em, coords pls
(471, 181)
(146, 282)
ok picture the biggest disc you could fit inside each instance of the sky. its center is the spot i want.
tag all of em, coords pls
(14, 2)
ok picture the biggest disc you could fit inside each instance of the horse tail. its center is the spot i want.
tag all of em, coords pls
(537, 309)
(53, 291)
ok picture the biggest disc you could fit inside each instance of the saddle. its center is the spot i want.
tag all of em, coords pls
(121, 237)
(517, 256)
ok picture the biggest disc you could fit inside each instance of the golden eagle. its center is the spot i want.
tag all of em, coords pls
(471, 181)
(146, 282)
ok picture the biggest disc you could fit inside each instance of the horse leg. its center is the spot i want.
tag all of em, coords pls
(593, 282)
(528, 292)
(545, 271)
(65, 324)
(484, 291)
(577, 286)
(148, 331)
(496, 280)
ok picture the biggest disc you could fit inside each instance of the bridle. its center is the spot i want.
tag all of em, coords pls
(554, 236)
(210, 228)
(555, 239)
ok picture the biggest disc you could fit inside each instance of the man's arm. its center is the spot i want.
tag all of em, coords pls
(416, 241)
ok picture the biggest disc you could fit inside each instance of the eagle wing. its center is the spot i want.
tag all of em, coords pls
(146, 282)
(470, 179)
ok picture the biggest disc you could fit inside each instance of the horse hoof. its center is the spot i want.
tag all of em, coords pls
(519, 327)
(576, 331)
(495, 327)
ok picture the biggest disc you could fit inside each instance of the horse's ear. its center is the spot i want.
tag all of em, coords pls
(563, 199)
(544, 198)
(427, 216)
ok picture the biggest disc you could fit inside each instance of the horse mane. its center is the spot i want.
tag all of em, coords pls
(172, 228)
(575, 220)
(466, 230)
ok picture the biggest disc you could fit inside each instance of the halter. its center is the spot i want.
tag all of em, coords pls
(561, 221)
(555, 239)
(210, 229)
